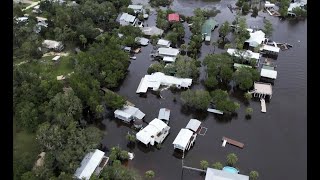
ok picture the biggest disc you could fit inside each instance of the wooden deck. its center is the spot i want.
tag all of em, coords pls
(233, 142)
(263, 105)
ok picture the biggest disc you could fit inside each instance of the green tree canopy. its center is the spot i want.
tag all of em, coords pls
(222, 101)
(268, 28)
(245, 77)
(198, 99)
(232, 159)
(186, 67)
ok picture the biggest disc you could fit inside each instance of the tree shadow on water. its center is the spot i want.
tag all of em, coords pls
(225, 118)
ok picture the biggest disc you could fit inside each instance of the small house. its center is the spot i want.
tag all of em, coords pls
(270, 50)
(136, 8)
(173, 17)
(164, 114)
(142, 41)
(208, 26)
(244, 54)
(156, 131)
(169, 59)
(127, 19)
(256, 38)
(215, 174)
(163, 43)
(53, 45)
(184, 140)
(268, 74)
(172, 52)
(128, 113)
(93, 162)
(150, 31)
(193, 125)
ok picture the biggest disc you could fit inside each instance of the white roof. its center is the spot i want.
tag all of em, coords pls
(256, 38)
(61, 77)
(183, 138)
(41, 19)
(294, 5)
(215, 174)
(164, 113)
(135, 7)
(142, 40)
(163, 42)
(56, 58)
(156, 79)
(51, 44)
(246, 54)
(128, 111)
(193, 125)
(89, 164)
(127, 17)
(21, 19)
(153, 128)
(169, 59)
(237, 65)
(214, 111)
(268, 73)
(263, 88)
(153, 30)
(168, 51)
(270, 48)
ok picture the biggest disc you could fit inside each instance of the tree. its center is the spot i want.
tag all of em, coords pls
(211, 82)
(268, 28)
(130, 31)
(244, 77)
(219, 66)
(186, 67)
(224, 30)
(204, 164)
(222, 101)
(27, 116)
(156, 67)
(113, 100)
(300, 12)
(116, 171)
(245, 8)
(172, 37)
(249, 111)
(255, 12)
(284, 5)
(149, 174)
(239, 3)
(131, 138)
(254, 175)
(198, 99)
(232, 159)
(184, 47)
(99, 111)
(217, 165)
(248, 96)
(83, 40)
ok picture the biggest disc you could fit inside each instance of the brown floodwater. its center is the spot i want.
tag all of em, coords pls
(275, 142)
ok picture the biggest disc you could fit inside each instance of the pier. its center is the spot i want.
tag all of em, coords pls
(231, 141)
(263, 105)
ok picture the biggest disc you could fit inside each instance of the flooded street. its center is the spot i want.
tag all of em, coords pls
(275, 141)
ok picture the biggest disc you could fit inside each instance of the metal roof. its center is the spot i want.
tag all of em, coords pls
(193, 125)
(246, 54)
(173, 17)
(89, 164)
(153, 128)
(127, 17)
(256, 38)
(268, 73)
(215, 174)
(164, 113)
(168, 51)
(270, 48)
(163, 42)
(182, 139)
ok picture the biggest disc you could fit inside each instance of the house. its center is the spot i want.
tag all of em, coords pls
(169, 59)
(215, 174)
(53, 45)
(271, 50)
(267, 72)
(208, 26)
(172, 52)
(156, 131)
(136, 8)
(173, 17)
(256, 38)
(164, 114)
(150, 31)
(156, 79)
(21, 19)
(93, 162)
(245, 54)
(142, 41)
(163, 43)
(128, 113)
(187, 136)
(261, 90)
(127, 19)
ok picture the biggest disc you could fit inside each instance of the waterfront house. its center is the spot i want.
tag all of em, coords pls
(208, 26)
(128, 113)
(156, 79)
(215, 174)
(173, 17)
(156, 131)
(268, 73)
(127, 19)
(262, 90)
(270, 50)
(93, 162)
(256, 38)
(164, 115)
(244, 54)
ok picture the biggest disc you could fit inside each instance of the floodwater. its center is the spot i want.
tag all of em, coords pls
(275, 142)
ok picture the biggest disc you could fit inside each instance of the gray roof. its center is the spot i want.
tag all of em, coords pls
(135, 7)
(193, 125)
(127, 17)
(214, 174)
(164, 114)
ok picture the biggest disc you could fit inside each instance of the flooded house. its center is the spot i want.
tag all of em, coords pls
(269, 50)
(155, 131)
(142, 41)
(261, 90)
(127, 19)
(164, 115)
(208, 26)
(268, 73)
(163, 43)
(53, 45)
(256, 38)
(150, 31)
(93, 162)
(128, 114)
(155, 80)
(244, 54)
(173, 17)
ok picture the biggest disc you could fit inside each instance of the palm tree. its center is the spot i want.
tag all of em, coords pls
(254, 175)
(149, 174)
(131, 138)
(249, 111)
(217, 165)
(183, 47)
(204, 164)
(83, 40)
(232, 159)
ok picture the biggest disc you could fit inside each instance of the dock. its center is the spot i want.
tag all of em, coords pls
(263, 105)
(231, 141)
(214, 111)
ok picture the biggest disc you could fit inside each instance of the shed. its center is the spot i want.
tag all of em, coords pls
(61, 77)
(173, 17)
(215, 174)
(183, 139)
(193, 125)
(89, 164)
(164, 43)
(169, 59)
(164, 114)
(268, 73)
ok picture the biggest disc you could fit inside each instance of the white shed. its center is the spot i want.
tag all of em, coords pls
(164, 43)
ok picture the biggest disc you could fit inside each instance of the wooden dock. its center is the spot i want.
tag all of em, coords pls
(263, 105)
(233, 142)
